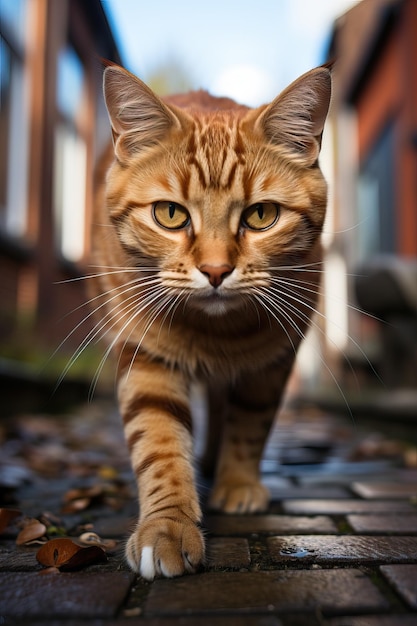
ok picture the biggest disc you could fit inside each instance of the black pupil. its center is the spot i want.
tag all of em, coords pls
(260, 211)
(171, 210)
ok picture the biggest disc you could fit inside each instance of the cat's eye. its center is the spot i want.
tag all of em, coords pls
(260, 216)
(171, 215)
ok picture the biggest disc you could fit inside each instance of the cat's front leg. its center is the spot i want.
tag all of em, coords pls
(253, 404)
(155, 409)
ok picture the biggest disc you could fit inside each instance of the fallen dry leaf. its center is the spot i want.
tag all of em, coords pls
(84, 528)
(134, 612)
(82, 558)
(93, 539)
(74, 506)
(50, 519)
(109, 494)
(56, 552)
(33, 530)
(7, 516)
(410, 457)
(83, 492)
(79, 499)
(66, 555)
(108, 473)
(376, 446)
(115, 503)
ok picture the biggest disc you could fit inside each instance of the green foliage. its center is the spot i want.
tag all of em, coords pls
(24, 351)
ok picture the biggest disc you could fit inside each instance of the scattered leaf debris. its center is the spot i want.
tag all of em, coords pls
(7, 516)
(66, 555)
(90, 538)
(85, 453)
(33, 531)
(109, 494)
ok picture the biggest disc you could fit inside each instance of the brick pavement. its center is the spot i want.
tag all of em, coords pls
(338, 546)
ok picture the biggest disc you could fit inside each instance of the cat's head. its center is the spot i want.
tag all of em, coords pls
(216, 197)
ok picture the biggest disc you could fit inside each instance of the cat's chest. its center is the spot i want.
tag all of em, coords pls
(201, 351)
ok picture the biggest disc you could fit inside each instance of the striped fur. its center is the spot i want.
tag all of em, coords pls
(218, 299)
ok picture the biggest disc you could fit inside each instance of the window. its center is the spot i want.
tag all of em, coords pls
(13, 118)
(70, 157)
(376, 214)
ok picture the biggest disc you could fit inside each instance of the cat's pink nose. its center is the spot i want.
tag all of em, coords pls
(216, 273)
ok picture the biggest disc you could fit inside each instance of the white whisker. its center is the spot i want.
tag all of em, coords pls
(151, 298)
(153, 314)
(261, 297)
(114, 270)
(139, 281)
(293, 310)
(290, 294)
(112, 314)
(171, 309)
(299, 284)
(95, 311)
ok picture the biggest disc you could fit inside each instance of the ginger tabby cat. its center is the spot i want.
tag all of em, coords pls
(208, 236)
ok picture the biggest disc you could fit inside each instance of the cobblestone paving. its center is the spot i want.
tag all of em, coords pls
(337, 547)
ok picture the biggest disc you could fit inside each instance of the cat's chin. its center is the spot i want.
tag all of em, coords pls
(216, 306)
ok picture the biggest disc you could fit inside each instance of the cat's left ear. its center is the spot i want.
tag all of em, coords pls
(139, 119)
(294, 121)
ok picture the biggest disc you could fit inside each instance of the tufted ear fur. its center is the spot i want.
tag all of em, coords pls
(294, 121)
(139, 118)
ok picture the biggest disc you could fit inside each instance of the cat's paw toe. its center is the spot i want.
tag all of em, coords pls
(146, 563)
(239, 498)
(165, 547)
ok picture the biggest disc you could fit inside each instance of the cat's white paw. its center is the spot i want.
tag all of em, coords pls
(147, 565)
(239, 498)
(165, 546)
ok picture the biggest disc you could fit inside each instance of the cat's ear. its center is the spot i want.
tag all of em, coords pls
(139, 118)
(295, 119)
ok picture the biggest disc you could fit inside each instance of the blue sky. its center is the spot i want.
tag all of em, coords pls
(247, 49)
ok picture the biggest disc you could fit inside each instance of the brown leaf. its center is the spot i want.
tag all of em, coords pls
(73, 506)
(133, 612)
(84, 492)
(67, 555)
(84, 528)
(74, 494)
(79, 499)
(84, 557)
(115, 503)
(33, 529)
(410, 457)
(92, 539)
(56, 552)
(6, 516)
(108, 473)
(50, 519)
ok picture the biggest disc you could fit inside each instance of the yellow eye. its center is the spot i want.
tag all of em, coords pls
(171, 215)
(260, 216)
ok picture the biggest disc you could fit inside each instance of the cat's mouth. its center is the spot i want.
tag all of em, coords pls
(216, 302)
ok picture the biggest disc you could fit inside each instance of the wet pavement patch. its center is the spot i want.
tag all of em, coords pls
(278, 591)
(267, 524)
(336, 547)
(404, 579)
(343, 549)
(374, 620)
(340, 507)
(79, 595)
(228, 552)
(385, 490)
(391, 523)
